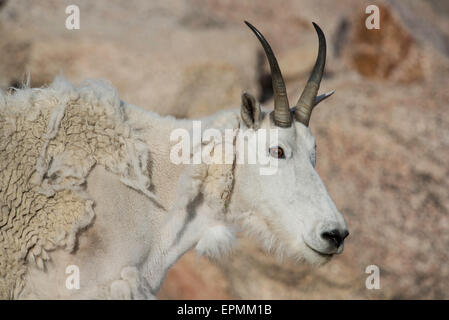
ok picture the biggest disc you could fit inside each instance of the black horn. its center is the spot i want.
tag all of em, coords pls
(309, 99)
(282, 116)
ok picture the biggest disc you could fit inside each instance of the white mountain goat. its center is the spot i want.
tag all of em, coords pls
(84, 171)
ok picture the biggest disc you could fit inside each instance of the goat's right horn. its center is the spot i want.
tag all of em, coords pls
(309, 99)
(282, 116)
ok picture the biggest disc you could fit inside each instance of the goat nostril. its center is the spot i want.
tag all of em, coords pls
(335, 236)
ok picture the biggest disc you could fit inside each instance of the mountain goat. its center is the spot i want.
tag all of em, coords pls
(84, 171)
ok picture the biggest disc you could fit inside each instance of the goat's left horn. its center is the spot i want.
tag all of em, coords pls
(282, 116)
(309, 99)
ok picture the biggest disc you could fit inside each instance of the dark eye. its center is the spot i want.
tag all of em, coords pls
(277, 152)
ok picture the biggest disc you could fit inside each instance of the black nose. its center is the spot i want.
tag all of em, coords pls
(335, 237)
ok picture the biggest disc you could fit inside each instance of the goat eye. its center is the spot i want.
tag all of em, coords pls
(277, 152)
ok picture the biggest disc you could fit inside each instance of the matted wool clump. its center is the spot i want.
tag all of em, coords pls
(50, 138)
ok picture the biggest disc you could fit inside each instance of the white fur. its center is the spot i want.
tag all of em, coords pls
(216, 242)
(148, 211)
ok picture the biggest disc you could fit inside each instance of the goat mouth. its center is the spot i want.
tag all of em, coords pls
(320, 253)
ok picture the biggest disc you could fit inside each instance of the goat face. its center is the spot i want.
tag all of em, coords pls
(289, 208)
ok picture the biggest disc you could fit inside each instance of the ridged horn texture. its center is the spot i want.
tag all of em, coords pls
(282, 116)
(308, 98)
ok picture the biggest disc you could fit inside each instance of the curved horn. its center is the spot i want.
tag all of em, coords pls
(308, 99)
(282, 116)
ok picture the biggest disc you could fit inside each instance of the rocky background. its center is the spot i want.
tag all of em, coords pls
(383, 138)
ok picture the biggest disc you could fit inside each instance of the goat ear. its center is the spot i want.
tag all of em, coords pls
(250, 111)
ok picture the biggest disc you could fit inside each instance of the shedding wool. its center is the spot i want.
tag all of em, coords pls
(50, 138)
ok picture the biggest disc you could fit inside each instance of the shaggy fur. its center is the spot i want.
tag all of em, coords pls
(66, 152)
(50, 138)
